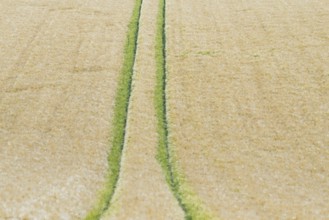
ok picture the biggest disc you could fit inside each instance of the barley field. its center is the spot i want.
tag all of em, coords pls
(164, 109)
(248, 100)
(59, 67)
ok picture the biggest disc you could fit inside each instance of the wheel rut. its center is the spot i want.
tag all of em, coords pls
(187, 201)
(122, 101)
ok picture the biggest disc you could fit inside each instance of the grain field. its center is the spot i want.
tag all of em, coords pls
(164, 109)
(248, 105)
(59, 66)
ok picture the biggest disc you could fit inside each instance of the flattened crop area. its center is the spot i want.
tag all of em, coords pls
(248, 105)
(59, 65)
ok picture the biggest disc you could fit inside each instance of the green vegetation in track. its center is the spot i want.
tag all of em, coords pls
(120, 115)
(187, 200)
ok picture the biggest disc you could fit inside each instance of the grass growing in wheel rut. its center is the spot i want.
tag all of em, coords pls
(187, 200)
(120, 115)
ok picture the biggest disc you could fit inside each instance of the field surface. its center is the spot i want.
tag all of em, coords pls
(248, 105)
(164, 109)
(59, 66)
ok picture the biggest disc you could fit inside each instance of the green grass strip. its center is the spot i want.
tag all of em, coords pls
(120, 115)
(187, 200)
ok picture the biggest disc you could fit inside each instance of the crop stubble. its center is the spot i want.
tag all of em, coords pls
(248, 105)
(58, 75)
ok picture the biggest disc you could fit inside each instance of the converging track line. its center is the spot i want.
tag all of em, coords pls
(186, 199)
(120, 114)
(164, 152)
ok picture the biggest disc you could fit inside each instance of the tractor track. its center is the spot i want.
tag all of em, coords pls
(187, 200)
(120, 114)
(164, 151)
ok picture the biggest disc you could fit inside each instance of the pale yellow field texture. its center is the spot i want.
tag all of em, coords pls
(248, 96)
(142, 191)
(58, 74)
